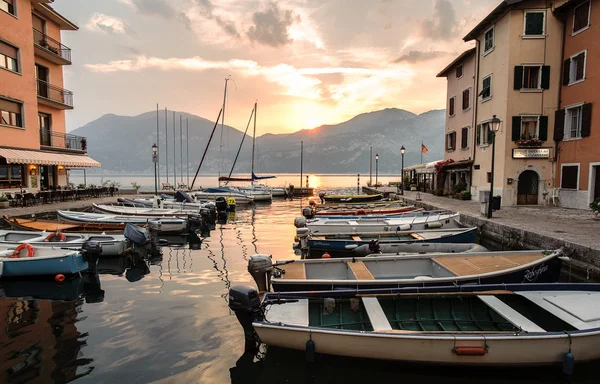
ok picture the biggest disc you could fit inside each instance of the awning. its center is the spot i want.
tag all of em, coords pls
(20, 156)
(454, 170)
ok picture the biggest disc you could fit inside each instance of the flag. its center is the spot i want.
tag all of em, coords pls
(424, 148)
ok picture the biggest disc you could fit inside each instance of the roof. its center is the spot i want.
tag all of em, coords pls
(490, 19)
(21, 156)
(49, 12)
(460, 58)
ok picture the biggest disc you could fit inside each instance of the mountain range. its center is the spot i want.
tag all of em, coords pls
(123, 144)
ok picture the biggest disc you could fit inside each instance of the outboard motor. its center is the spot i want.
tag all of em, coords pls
(209, 216)
(302, 237)
(195, 222)
(322, 197)
(212, 209)
(300, 222)
(245, 302)
(91, 251)
(157, 202)
(260, 267)
(137, 235)
(367, 249)
(308, 212)
(221, 204)
(182, 197)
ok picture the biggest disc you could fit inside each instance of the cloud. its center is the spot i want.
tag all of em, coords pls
(271, 26)
(206, 9)
(418, 56)
(100, 22)
(160, 8)
(443, 25)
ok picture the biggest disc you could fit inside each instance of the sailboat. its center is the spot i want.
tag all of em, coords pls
(259, 192)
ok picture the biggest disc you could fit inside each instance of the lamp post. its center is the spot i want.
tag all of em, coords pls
(495, 127)
(155, 161)
(376, 170)
(402, 150)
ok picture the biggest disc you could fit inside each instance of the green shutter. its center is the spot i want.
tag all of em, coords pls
(546, 77)
(479, 135)
(559, 125)
(534, 23)
(518, 77)
(586, 119)
(516, 128)
(543, 128)
(566, 71)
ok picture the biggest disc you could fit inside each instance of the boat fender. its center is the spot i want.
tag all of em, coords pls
(360, 212)
(403, 227)
(17, 251)
(435, 224)
(328, 306)
(310, 351)
(470, 351)
(326, 256)
(61, 236)
(568, 359)
(59, 278)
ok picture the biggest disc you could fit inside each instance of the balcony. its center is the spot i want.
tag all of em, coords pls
(54, 96)
(50, 49)
(63, 142)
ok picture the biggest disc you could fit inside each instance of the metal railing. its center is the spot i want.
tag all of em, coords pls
(54, 93)
(52, 139)
(48, 43)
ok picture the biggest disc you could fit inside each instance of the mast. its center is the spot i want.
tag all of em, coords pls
(167, 144)
(301, 160)
(180, 149)
(222, 127)
(254, 139)
(187, 150)
(158, 145)
(174, 155)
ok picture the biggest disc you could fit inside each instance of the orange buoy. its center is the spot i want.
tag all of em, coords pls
(470, 351)
(59, 278)
(360, 212)
(61, 236)
(17, 251)
(326, 256)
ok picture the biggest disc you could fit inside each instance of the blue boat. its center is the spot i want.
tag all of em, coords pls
(340, 244)
(44, 261)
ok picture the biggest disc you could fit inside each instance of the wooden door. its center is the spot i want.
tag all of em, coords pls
(527, 190)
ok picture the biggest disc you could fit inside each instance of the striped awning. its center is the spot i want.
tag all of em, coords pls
(21, 156)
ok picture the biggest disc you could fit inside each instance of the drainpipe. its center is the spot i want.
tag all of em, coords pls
(475, 105)
(560, 86)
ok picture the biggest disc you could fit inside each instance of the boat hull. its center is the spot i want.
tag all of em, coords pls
(164, 224)
(353, 227)
(367, 211)
(352, 198)
(40, 266)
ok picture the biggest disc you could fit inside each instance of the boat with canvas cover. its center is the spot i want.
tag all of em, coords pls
(347, 243)
(166, 224)
(407, 270)
(412, 221)
(26, 260)
(112, 245)
(498, 325)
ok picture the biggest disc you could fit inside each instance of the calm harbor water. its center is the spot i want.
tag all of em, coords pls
(164, 318)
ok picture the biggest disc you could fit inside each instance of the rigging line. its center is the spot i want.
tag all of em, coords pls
(243, 137)
(222, 127)
(206, 149)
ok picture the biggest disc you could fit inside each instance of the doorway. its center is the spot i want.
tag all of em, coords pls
(42, 76)
(595, 182)
(47, 176)
(527, 190)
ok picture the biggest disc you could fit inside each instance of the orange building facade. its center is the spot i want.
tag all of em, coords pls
(35, 150)
(577, 128)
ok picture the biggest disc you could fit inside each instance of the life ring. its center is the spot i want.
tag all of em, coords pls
(361, 212)
(17, 251)
(61, 236)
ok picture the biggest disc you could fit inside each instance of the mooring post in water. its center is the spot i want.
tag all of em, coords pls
(358, 184)
(306, 181)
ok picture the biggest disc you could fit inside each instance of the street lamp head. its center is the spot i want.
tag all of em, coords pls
(402, 150)
(154, 148)
(496, 122)
(377, 157)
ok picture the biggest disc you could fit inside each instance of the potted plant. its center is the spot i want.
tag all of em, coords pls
(595, 206)
(529, 142)
(413, 187)
(83, 144)
(3, 201)
(135, 186)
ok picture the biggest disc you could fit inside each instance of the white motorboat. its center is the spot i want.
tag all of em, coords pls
(257, 191)
(143, 211)
(278, 192)
(211, 194)
(164, 223)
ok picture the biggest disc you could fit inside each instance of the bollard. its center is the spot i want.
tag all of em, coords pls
(358, 184)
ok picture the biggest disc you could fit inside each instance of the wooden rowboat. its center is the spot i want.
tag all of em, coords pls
(480, 325)
(40, 261)
(352, 198)
(35, 224)
(346, 211)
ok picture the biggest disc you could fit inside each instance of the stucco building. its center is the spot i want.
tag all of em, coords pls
(577, 128)
(35, 150)
(518, 53)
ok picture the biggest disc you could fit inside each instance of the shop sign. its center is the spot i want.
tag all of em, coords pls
(531, 153)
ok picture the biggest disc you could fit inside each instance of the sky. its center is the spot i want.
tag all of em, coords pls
(306, 62)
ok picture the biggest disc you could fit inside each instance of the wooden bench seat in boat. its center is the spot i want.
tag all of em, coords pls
(416, 236)
(360, 270)
(376, 315)
(294, 271)
(477, 265)
(290, 313)
(510, 314)
(356, 238)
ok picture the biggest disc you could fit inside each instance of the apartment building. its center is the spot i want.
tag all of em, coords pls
(461, 81)
(577, 127)
(35, 150)
(519, 59)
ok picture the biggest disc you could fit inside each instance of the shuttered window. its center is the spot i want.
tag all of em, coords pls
(451, 141)
(575, 68)
(451, 106)
(464, 138)
(534, 23)
(459, 71)
(10, 113)
(9, 57)
(581, 17)
(529, 77)
(486, 88)
(488, 40)
(8, 6)
(466, 99)
(576, 122)
(38, 23)
(569, 176)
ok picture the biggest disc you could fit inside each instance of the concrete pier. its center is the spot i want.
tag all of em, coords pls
(527, 227)
(53, 207)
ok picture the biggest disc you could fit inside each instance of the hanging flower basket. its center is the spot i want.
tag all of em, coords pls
(530, 142)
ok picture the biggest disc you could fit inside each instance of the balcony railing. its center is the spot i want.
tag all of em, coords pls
(60, 51)
(55, 95)
(63, 141)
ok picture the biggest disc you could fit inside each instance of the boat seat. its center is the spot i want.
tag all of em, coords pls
(356, 238)
(376, 315)
(477, 265)
(294, 271)
(290, 313)
(360, 270)
(510, 314)
(416, 236)
(579, 309)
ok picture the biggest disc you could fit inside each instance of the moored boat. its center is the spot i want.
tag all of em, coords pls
(26, 260)
(211, 194)
(408, 270)
(165, 224)
(476, 325)
(352, 198)
(35, 224)
(150, 212)
(365, 210)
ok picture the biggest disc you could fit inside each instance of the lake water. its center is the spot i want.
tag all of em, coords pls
(164, 318)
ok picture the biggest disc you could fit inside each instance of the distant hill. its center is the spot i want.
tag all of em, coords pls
(122, 143)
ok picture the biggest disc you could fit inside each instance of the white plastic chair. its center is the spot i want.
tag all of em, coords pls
(555, 196)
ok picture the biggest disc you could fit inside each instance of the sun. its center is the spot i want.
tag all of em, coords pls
(312, 122)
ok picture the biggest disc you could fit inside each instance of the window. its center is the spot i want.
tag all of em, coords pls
(451, 141)
(581, 17)
(459, 71)
(466, 99)
(464, 138)
(483, 134)
(574, 68)
(489, 177)
(8, 6)
(451, 106)
(569, 178)
(11, 176)
(486, 88)
(45, 129)
(532, 77)
(573, 122)
(10, 113)
(534, 23)
(529, 127)
(488, 43)
(8, 56)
